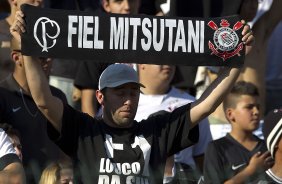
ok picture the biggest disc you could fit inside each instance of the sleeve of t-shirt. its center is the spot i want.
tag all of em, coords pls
(205, 138)
(213, 166)
(71, 123)
(176, 128)
(59, 94)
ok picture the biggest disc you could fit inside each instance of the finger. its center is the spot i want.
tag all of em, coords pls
(257, 154)
(266, 155)
(249, 40)
(246, 29)
(21, 20)
(19, 14)
(20, 26)
(243, 21)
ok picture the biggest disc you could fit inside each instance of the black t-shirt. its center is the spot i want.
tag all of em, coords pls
(226, 157)
(88, 74)
(129, 155)
(19, 110)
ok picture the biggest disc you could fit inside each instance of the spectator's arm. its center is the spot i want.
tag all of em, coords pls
(50, 106)
(89, 102)
(220, 87)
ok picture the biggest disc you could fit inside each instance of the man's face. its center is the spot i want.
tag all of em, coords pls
(121, 6)
(249, 9)
(38, 3)
(246, 113)
(120, 104)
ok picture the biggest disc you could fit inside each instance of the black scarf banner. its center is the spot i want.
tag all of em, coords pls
(132, 38)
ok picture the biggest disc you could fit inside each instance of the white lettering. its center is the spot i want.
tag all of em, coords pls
(180, 37)
(202, 38)
(72, 30)
(135, 167)
(193, 36)
(126, 33)
(115, 179)
(102, 166)
(126, 169)
(117, 33)
(87, 31)
(135, 22)
(103, 179)
(170, 23)
(106, 166)
(98, 44)
(80, 31)
(136, 180)
(109, 166)
(158, 45)
(147, 33)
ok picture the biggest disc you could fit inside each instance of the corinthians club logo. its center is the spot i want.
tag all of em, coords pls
(43, 37)
(225, 39)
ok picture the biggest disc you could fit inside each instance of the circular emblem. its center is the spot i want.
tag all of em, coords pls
(225, 39)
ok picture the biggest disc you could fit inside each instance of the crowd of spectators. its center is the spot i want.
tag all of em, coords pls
(37, 145)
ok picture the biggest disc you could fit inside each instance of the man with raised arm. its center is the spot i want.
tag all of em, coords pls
(115, 148)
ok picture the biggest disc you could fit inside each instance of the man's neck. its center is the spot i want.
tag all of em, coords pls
(21, 80)
(11, 17)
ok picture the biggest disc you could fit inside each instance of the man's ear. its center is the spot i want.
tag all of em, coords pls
(106, 5)
(229, 115)
(100, 97)
(16, 57)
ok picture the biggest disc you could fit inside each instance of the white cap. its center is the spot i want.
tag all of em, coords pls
(116, 75)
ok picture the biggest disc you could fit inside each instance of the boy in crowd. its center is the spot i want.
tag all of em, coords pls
(238, 156)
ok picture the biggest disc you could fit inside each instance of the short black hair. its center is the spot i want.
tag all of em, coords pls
(240, 88)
